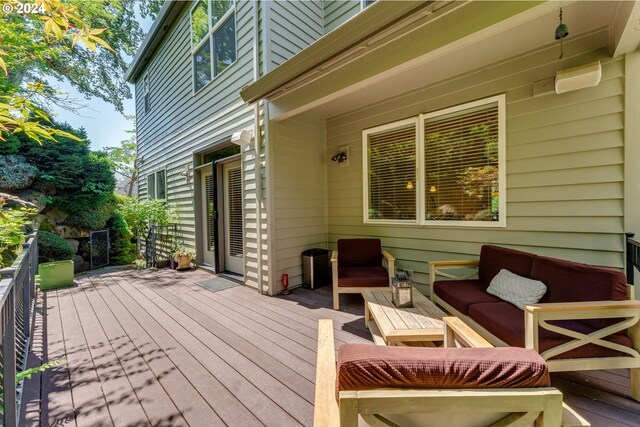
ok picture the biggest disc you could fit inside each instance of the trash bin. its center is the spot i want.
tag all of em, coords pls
(315, 268)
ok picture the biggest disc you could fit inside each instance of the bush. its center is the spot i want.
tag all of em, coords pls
(52, 247)
(12, 232)
(123, 250)
(16, 173)
(82, 214)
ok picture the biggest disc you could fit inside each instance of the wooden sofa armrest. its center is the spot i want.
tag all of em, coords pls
(334, 257)
(391, 264)
(456, 332)
(538, 316)
(439, 268)
(326, 411)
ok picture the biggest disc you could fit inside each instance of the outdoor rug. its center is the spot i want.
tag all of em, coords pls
(217, 284)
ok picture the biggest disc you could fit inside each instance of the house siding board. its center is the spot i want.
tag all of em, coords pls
(565, 167)
(337, 12)
(299, 194)
(181, 123)
(293, 25)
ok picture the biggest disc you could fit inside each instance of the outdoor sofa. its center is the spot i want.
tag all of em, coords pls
(586, 319)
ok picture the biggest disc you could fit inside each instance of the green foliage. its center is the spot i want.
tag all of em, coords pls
(46, 225)
(52, 247)
(123, 250)
(12, 227)
(77, 180)
(16, 173)
(28, 373)
(139, 213)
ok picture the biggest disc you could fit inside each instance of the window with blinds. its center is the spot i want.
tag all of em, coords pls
(391, 173)
(457, 177)
(461, 165)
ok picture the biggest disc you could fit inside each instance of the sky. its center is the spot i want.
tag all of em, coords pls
(105, 126)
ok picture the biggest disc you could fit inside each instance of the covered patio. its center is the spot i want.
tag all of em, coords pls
(166, 348)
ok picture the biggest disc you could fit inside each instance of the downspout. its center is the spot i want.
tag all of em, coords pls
(256, 142)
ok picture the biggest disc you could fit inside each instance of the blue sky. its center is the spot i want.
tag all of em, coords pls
(105, 126)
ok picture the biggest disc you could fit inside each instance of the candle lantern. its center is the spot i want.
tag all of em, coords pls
(401, 294)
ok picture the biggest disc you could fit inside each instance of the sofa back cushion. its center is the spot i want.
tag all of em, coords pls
(573, 282)
(359, 252)
(494, 258)
(366, 366)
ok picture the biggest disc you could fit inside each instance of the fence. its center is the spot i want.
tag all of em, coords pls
(633, 257)
(160, 243)
(17, 297)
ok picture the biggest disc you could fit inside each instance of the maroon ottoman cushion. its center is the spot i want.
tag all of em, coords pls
(365, 367)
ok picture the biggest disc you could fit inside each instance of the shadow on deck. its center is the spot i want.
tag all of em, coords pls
(167, 348)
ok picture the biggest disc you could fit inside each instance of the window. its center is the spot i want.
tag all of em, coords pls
(366, 3)
(213, 39)
(440, 168)
(145, 91)
(157, 185)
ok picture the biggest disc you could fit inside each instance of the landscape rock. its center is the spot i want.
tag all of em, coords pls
(69, 232)
(73, 244)
(79, 264)
(36, 197)
(57, 216)
(16, 173)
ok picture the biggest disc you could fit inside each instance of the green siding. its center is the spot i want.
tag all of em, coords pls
(565, 167)
(337, 12)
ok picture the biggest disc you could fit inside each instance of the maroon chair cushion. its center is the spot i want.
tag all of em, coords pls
(362, 277)
(494, 258)
(572, 282)
(506, 321)
(359, 252)
(460, 294)
(365, 367)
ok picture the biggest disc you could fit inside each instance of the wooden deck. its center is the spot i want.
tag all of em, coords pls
(156, 347)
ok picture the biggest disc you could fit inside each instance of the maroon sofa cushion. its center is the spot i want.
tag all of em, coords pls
(494, 258)
(459, 294)
(362, 277)
(359, 252)
(506, 321)
(573, 282)
(365, 367)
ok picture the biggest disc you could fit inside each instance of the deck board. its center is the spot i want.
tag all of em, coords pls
(154, 347)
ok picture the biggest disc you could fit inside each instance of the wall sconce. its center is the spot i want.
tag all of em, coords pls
(242, 138)
(432, 189)
(410, 185)
(342, 156)
(186, 172)
(339, 157)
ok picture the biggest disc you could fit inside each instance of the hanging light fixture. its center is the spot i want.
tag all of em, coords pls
(410, 185)
(562, 31)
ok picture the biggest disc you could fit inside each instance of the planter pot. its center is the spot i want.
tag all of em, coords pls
(183, 263)
(55, 275)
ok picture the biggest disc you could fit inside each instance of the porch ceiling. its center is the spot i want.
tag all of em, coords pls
(453, 50)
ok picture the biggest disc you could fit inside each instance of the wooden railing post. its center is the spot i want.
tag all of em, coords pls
(9, 362)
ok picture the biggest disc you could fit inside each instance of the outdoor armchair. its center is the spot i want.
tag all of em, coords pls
(358, 264)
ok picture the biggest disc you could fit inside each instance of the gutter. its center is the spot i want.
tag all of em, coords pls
(166, 16)
(335, 45)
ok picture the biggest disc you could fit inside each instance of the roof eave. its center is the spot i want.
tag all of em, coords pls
(368, 22)
(166, 16)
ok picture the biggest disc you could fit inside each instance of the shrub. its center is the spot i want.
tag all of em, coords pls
(123, 250)
(16, 173)
(53, 247)
(138, 213)
(82, 214)
(12, 232)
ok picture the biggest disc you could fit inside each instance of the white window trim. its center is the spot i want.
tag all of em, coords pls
(365, 168)
(209, 38)
(154, 172)
(420, 165)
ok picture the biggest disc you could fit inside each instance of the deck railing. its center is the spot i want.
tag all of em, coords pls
(17, 297)
(633, 257)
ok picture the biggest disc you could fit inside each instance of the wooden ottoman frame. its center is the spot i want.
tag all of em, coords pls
(540, 405)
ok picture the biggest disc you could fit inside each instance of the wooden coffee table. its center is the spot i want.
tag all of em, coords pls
(420, 325)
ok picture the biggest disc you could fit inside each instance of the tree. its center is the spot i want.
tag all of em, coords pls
(124, 159)
(65, 40)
